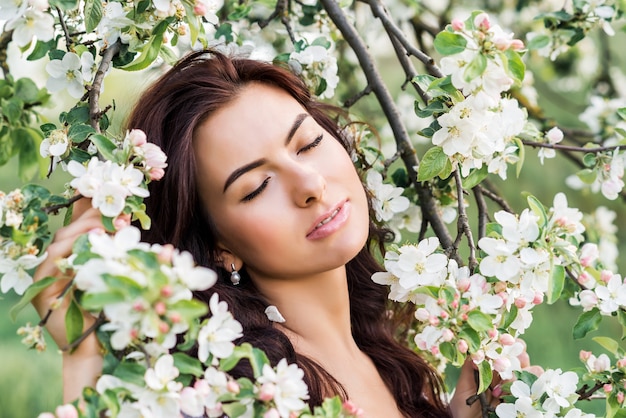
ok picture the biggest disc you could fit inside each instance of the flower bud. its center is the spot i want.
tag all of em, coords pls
(457, 24)
(164, 328)
(156, 173)
(501, 364)
(497, 391)
(175, 318)
(478, 357)
(441, 301)
(160, 308)
(606, 275)
(447, 335)
(351, 408)
(462, 346)
(267, 392)
(422, 314)
(66, 411)
(607, 388)
(538, 299)
(199, 8)
(517, 45)
(272, 413)
(481, 22)
(520, 303)
(233, 387)
(584, 355)
(464, 284)
(433, 320)
(434, 350)
(493, 333)
(620, 397)
(507, 339)
(444, 315)
(621, 363)
(167, 291)
(137, 137)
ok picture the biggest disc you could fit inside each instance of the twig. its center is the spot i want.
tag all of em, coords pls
(67, 287)
(94, 91)
(485, 407)
(55, 208)
(352, 100)
(68, 39)
(494, 197)
(5, 38)
(427, 202)
(280, 11)
(463, 227)
(409, 69)
(570, 148)
(391, 28)
(483, 214)
(583, 393)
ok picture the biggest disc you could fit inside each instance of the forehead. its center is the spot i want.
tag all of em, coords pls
(260, 116)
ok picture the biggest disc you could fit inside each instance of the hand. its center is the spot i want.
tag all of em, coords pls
(82, 366)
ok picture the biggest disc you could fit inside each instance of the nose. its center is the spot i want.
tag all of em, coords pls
(307, 183)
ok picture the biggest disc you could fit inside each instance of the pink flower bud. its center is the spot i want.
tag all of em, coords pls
(272, 413)
(441, 301)
(139, 306)
(493, 333)
(538, 299)
(433, 320)
(478, 357)
(199, 8)
(497, 391)
(464, 317)
(167, 291)
(164, 328)
(584, 355)
(464, 284)
(607, 388)
(137, 137)
(351, 408)
(620, 397)
(454, 304)
(462, 346)
(457, 24)
(606, 276)
(233, 387)
(520, 303)
(444, 315)
(267, 392)
(517, 45)
(447, 335)
(501, 364)
(160, 308)
(422, 314)
(621, 363)
(502, 44)
(165, 256)
(66, 411)
(507, 339)
(175, 317)
(465, 308)
(434, 350)
(134, 333)
(156, 173)
(481, 22)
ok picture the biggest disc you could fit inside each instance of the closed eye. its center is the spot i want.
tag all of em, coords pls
(256, 192)
(312, 145)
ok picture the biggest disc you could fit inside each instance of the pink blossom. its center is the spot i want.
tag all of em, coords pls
(482, 23)
(507, 339)
(584, 355)
(272, 413)
(233, 387)
(607, 388)
(462, 346)
(66, 411)
(137, 137)
(517, 45)
(267, 392)
(351, 408)
(156, 173)
(620, 397)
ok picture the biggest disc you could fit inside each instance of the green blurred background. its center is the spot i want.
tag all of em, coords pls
(30, 382)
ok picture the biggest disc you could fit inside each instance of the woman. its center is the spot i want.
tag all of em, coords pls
(260, 187)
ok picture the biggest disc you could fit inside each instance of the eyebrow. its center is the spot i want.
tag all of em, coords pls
(251, 166)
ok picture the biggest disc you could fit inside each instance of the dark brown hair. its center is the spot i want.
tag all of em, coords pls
(169, 112)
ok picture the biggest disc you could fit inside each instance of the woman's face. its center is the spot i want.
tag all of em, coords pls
(283, 193)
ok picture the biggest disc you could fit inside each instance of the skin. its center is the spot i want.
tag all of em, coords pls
(295, 176)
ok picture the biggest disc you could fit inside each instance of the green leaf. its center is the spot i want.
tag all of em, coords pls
(32, 291)
(621, 112)
(587, 321)
(28, 142)
(521, 155)
(509, 317)
(26, 90)
(190, 308)
(96, 301)
(65, 4)
(12, 110)
(590, 159)
(556, 283)
(105, 146)
(535, 205)
(131, 373)
(609, 344)
(448, 43)
(479, 321)
(587, 175)
(485, 374)
(515, 66)
(434, 107)
(471, 337)
(187, 364)
(78, 133)
(234, 409)
(538, 42)
(476, 68)
(475, 177)
(93, 14)
(73, 322)
(41, 49)
(432, 163)
(78, 114)
(151, 50)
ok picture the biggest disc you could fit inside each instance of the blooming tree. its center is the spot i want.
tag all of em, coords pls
(474, 112)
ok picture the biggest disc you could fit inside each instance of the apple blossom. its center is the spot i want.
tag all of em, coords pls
(388, 199)
(33, 23)
(67, 74)
(290, 391)
(218, 333)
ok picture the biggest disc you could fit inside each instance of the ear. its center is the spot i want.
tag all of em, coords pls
(228, 259)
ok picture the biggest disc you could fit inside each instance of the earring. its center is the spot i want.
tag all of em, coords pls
(235, 277)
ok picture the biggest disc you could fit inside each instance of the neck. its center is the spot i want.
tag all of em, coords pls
(316, 311)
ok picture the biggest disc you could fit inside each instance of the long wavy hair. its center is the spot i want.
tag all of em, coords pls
(169, 112)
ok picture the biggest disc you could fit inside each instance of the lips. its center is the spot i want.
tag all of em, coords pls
(330, 221)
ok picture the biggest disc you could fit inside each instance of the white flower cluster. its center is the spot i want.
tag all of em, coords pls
(316, 65)
(552, 394)
(119, 270)
(145, 154)
(216, 336)
(480, 129)
(27, 19)
(608, 294)
(70, 73)
(606, 176)
(15, 260)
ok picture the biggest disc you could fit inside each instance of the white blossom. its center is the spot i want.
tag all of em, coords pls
(67, 74)
(15, 272)
(388, 199)
(33, 23)
(217, 335)
(290, 391)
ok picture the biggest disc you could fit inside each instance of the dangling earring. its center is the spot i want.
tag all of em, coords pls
(235, 278)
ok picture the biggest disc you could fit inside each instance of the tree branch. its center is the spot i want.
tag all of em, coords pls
(5, 38)
(494, 197)
(55, 208)
(96, 86)
(483, 214)
(351, 101)
(393, 30)
(68, 39)
(427, 202)
(463, 227)
(571, 148)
